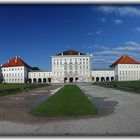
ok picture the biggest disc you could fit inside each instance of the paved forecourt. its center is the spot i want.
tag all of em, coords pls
(124, 120)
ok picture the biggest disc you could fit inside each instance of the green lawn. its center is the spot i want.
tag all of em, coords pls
(9, 86)
(68, 101)
(8, 89)
(126, 83)
(130, 86)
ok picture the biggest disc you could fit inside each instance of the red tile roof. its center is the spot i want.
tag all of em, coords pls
(70, 52)
(15, 62)
(125, 59)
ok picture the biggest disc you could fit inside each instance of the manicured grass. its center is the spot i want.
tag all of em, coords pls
(68, 101)
(126, 83)
(130, 86)
(9, 86)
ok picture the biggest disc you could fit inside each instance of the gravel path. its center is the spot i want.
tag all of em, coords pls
(16, 107)
(124, 119)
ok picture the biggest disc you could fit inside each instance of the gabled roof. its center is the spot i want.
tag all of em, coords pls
(71, 52)
(125, 59)
(15, 62)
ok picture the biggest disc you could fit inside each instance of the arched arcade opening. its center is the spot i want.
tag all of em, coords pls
(97, 79)
(71, 80)
(34, 80)
(39, 80)
(102, 79)
(107, 79)
(44, 80)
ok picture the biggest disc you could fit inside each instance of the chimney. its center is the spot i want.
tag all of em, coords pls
(16, 59)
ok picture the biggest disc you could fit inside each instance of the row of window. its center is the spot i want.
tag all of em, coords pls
(129, 78)
(129, 72)
(103, 72)
(13, 75)
(70, 59)
(12, 69)
(129, 66)
(60, 63)
(39, 74)
(106, 74)
(71, 73)
(75, 67)
(14, 80)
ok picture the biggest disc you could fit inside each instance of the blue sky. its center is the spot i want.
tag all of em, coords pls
(36, 32)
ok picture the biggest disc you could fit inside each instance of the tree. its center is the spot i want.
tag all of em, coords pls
(35, 68)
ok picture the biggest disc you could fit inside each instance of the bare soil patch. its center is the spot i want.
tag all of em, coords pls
(16, 107)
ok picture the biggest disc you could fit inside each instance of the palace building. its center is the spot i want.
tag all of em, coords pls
(103, 75)
(15, 71)
(126, 69)
(70, 66)
(39, 76)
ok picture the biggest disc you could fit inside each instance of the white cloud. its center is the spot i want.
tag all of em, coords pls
(99, 32)
(131, 43)
(101, 47)
(137, 29)
(107, 9)
(129, 46)
(103, 19)
(106, 56)
(120, 10)
(90, 34)
(118, 21)
(90, 47)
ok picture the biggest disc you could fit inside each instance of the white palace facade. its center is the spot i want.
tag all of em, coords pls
(70, 66)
